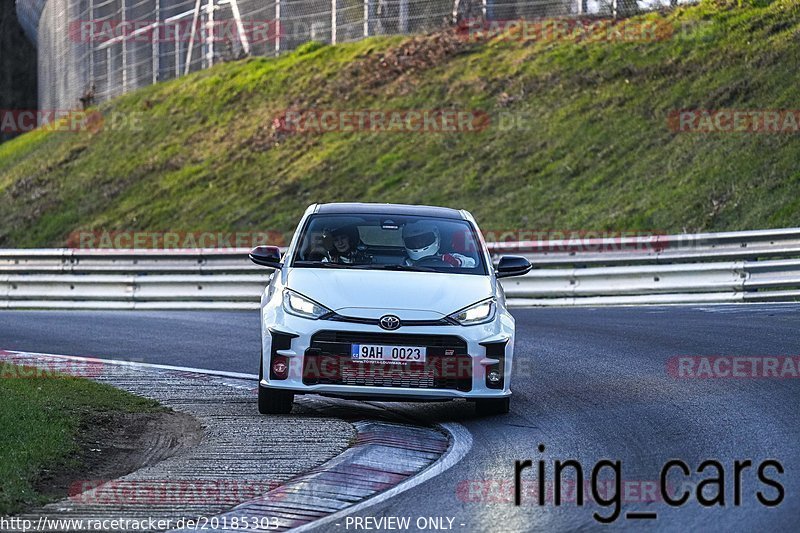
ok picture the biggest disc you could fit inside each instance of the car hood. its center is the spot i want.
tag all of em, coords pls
(372, 293)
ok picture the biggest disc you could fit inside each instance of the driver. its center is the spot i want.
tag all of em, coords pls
(422, 241)
(345, 246)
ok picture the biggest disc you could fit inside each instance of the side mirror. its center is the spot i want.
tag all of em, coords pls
(513, 265)
(268, 256)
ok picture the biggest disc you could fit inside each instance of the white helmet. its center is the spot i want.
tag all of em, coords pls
(421, 239)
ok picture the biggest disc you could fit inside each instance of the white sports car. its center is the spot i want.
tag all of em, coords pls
(386, 302)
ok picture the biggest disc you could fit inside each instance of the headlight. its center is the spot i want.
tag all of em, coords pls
(299, 305)
(476, 313)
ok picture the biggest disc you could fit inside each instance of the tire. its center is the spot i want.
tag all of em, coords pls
(271, 401)
(492, 406)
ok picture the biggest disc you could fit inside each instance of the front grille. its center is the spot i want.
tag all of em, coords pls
(328, 362)
(400, 339)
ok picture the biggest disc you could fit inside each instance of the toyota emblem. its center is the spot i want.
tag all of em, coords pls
(389, 322)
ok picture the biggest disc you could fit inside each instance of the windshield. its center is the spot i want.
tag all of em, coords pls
(380, 242)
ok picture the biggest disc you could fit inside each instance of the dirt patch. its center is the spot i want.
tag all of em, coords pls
(114, 444)
(411, 57)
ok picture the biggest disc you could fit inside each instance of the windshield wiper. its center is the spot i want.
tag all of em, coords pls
(320, 264)
(368, 266)
(405, 268)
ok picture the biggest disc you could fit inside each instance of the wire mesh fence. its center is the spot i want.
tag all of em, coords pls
(93, 50)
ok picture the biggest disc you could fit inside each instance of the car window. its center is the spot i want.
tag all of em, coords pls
(390, 243)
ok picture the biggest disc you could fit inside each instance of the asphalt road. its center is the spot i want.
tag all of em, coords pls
(589, 384)
(212, 340)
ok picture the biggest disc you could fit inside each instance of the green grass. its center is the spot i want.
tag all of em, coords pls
(590, 148)
(40, 419)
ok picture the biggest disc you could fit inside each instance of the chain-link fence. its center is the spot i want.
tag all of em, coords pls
(92, 50)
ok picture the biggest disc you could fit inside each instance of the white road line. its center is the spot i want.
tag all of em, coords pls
(761, 307)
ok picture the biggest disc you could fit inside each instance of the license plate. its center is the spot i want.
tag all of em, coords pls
(382, 353)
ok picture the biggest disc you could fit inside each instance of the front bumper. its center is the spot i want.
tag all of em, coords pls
(296, 341)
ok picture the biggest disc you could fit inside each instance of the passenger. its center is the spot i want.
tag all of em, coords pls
(423, 242)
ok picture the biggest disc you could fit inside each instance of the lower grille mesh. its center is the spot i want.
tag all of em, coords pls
(370, 376)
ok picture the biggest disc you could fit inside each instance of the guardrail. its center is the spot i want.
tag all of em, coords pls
(744, 266)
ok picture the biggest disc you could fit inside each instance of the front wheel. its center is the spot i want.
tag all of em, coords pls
(274, 402)
(493, 406)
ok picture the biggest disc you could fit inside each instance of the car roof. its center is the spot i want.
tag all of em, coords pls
(355, 208)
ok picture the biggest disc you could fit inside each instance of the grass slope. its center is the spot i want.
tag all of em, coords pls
(41, 417)
(591, 149)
